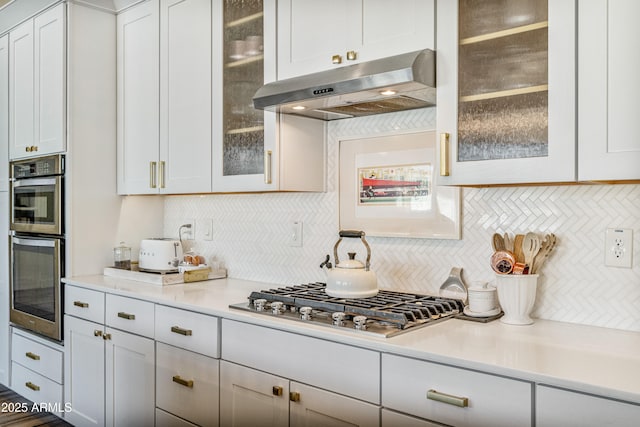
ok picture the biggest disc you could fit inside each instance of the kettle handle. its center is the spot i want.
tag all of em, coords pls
(353, 234)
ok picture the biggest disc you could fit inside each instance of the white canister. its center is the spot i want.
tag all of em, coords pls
(482, 298)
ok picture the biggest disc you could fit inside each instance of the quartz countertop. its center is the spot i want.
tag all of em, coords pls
(589, 359)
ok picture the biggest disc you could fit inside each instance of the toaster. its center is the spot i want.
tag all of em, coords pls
(160, 255)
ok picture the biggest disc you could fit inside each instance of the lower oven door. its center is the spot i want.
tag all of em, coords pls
(35, 297)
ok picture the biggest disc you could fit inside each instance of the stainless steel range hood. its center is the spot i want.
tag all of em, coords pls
(396, 83)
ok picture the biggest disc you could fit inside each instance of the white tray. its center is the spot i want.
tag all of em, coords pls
(157, 278)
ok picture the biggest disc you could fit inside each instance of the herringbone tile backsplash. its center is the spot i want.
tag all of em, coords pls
(251, 231)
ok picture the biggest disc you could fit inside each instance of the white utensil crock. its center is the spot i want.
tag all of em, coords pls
(517, 295)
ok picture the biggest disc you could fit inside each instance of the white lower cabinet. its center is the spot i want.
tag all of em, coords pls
(564, 408)
(454, 396)
(396, 419)
(109, 374)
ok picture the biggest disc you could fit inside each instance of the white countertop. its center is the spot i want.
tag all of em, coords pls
(593, 360)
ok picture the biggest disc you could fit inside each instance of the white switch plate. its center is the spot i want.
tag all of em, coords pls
(295, 238)
(618, 247)
(207, 229)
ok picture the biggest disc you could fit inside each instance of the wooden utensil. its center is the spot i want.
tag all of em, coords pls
(497, 242)
(530, 248)
(508, 242)
(517, 248)
(546, 247)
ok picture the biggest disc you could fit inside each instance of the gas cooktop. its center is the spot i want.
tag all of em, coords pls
(387, 314)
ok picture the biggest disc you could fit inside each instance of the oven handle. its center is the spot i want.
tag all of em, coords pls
(35, 181)
(35, 242)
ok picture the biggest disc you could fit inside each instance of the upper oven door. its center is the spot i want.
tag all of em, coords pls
(36, 205)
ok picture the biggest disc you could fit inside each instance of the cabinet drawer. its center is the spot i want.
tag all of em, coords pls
(165, 419)
(84, 303)
(491, 400)
(36, 387)
(187, 384)
(130, 315)
(37, 357)
(348, 370)
(186, 329)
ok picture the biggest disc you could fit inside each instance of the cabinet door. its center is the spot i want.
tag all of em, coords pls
(314, 407)
(49, 31)
(84, 385)
(21, 98)
(555, 407)
(185, 96)
(252, 398)
(129, 379)
(138, 60)
(4, 113)
(506, 91)
(608, 66)
(4, 288)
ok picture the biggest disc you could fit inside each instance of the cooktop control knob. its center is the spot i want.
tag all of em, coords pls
(260, 304)
(338, 318)
(360, 322)
(305, 313)
(277, 307)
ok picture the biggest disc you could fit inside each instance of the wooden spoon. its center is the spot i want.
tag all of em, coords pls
(517, 248)
(530, 248)
(508, 242)
(498, 242)
(546, 247)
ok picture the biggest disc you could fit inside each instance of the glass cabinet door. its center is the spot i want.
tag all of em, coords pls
(506, 91)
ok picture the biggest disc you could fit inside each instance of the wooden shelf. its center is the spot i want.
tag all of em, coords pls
(244, 20)
(245, 61)
(504, 93)
(504, 33)
(245, 130)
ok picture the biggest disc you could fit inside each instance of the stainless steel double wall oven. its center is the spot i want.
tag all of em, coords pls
(37, 244)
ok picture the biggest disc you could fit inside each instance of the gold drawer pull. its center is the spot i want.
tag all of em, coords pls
(106, 337)
(444, 154)
(294, 396)
(127, 316)
(186, 383)
(32, 355)
(462, 402)
(277, 390)
(81, 304)
(336, 59)
(352, 55)
(32, 386)
(179, 330)
(97, 333)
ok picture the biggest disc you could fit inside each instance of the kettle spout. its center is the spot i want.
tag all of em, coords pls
(327, 263)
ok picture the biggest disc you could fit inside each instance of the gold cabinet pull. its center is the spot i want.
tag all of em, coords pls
(32, 386)
(106, 337)
(81, 304)
(336, 59)
(32, 355)
(352, 55)
(267, 167)
(127, 316)
(294, 396)
(186, 383)
(97, 333)
(161, 172)
(181, 331)
(152, 174)
(277, 390)
(444, 154)
(449, 399)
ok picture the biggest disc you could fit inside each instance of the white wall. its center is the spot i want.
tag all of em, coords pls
(251, 231)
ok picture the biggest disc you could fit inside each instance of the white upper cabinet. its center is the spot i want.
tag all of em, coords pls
(164, 97)
(4, 113)
(608, 88)
(506, 91)
(37, 85)
(315, 36)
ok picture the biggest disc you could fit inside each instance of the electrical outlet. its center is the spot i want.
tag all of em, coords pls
(618, 247)
(295, 238)
(188, 233)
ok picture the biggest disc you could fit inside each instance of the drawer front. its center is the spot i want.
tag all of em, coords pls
(348, 370)
(37, 388)
(37, 357)
(165, 419)
(130, 315)
(187, 384)
(186, 329)
(84, 303)
(491, 400)
(395, 419)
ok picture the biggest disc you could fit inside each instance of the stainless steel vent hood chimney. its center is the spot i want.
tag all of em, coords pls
(396, 83)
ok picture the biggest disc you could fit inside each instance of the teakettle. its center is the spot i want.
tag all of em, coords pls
(350, 278)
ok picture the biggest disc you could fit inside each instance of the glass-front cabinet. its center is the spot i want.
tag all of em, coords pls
(506, 91)
(244, 137)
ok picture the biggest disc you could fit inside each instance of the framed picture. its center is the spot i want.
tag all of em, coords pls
(387, 188)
